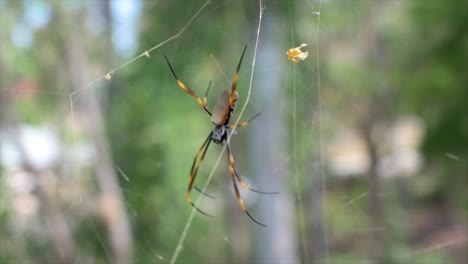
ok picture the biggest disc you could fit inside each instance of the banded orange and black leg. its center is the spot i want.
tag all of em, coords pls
(201, 102)
(232, 170)
(194, 171)
(233, 97)
(245, 123)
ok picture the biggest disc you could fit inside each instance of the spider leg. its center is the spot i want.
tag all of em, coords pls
(243, 124)
(204, 193)
(232, 97)
(236, 189)
(241, 182)
(194, 171)
(206, 93)
(201, 102)
(245, 186)
(238, 177)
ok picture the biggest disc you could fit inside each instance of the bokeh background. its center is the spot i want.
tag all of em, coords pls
(366, 140)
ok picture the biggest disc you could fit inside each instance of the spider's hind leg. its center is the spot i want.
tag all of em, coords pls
(245, 186)
(204, 193)
(236, 189)
(194, 170)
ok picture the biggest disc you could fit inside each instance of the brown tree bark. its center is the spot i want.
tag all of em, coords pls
(110, 203)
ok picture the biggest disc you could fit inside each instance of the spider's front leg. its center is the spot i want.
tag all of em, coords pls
(201, 102)
(232, 96)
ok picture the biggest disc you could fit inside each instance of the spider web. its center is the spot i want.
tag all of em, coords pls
(302, 165)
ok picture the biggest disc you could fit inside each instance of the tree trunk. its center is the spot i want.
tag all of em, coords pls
(276, 242)
(111, 201)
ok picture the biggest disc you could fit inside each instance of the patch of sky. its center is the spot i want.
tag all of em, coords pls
(125, 16)
(37, 14)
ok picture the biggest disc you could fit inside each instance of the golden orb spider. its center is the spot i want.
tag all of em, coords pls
(220, 116)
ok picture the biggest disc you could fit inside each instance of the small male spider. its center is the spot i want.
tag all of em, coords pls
(220, 116)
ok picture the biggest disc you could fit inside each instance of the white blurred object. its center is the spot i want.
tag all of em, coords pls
(347, 154)
(40, 144)
(404, 158)
(25, 204)
(20, 181)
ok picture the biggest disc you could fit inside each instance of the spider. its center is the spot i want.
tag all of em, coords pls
(220, 116)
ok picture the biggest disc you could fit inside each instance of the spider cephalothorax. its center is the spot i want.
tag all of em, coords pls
(220, 116)
(219, 134)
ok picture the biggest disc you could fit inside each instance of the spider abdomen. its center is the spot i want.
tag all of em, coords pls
(222, 110)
